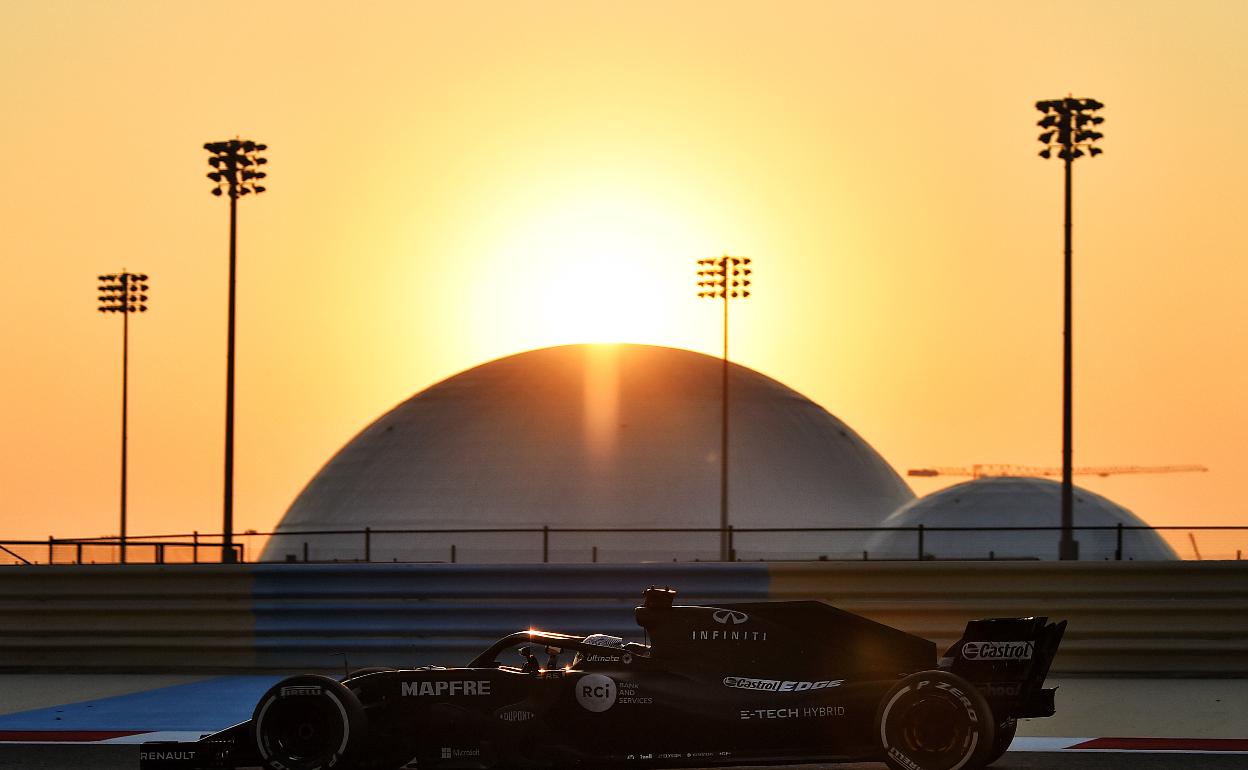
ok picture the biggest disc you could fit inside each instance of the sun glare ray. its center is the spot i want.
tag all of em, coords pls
(602, 401)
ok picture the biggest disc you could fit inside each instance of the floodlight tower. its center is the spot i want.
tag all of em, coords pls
(123, 293)
(236, 172)
(1069, 127)
(725, 278)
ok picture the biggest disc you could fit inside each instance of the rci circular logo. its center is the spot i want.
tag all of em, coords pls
(595, 692)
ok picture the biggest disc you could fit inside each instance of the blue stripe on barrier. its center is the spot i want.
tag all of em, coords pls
(199, 706)
(487, 581)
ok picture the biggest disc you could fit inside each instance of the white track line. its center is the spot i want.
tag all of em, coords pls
(163, 735)
(1045, 744)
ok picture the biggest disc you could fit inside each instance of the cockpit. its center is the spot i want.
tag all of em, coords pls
(586, 652)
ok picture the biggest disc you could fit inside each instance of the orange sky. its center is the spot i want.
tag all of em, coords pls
(450, 183)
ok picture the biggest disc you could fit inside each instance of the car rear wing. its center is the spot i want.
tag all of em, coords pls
(1008, 660)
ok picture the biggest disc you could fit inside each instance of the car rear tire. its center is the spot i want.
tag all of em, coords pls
(1001, 742)
(935, 720)
(308, 723)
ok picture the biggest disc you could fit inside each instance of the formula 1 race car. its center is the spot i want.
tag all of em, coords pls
(751, 683)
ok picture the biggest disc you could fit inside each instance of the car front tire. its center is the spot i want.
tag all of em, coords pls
(935, 720)
(308, 723)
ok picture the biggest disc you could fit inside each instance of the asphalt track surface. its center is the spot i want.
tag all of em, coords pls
(126, 757)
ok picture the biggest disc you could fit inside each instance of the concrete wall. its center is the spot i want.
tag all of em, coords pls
(1177, 617)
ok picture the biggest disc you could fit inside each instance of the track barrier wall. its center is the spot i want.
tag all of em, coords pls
(1139, 617)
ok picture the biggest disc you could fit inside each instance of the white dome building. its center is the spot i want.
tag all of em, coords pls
(1013, 502)
(594, 436)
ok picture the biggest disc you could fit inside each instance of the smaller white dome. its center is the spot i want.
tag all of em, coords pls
(1014, 502)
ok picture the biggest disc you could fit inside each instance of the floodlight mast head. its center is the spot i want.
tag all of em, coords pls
(123, 293)
(235, 167)
(724, 277)
(1067, 125)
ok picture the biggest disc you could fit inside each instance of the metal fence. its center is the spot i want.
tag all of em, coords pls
(158, 549)
(565, 545)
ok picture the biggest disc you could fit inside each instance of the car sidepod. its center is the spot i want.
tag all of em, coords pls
(468, 717)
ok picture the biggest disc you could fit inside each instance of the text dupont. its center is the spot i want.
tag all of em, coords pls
(447, 688)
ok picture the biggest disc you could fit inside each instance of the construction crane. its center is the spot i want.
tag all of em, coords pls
(980, 471)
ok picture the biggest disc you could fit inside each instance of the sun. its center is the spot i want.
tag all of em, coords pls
(599, 267)
(586, 298)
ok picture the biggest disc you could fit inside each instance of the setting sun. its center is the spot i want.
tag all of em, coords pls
(601, 263)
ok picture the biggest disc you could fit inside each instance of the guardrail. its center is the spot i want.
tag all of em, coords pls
(584, 544)
(1157, 618)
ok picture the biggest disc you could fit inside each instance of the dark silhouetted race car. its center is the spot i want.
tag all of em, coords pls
(753, 683)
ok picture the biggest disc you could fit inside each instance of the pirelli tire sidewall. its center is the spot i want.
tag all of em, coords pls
(935, 720)
(308, 722)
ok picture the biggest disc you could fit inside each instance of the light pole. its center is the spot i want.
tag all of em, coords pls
(725, 278)
(236, 171)
(1069, 127)
(123, 293)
